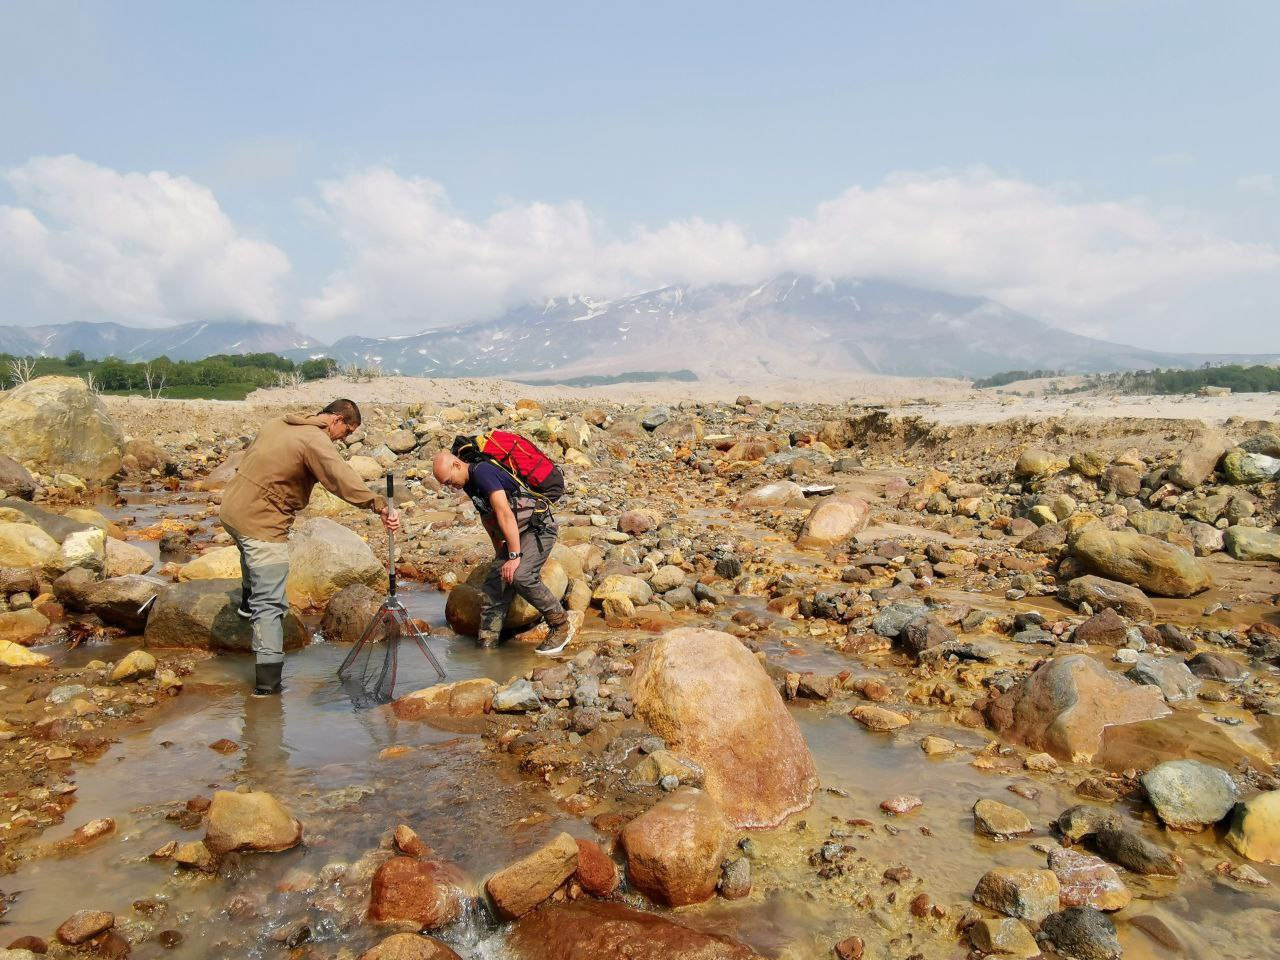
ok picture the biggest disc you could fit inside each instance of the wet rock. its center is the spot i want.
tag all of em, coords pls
(461, 700)
(520, 887)
(924, 633)
(61, 426)
(1134, 852)
(1084, 820)
(349, 612)
(254, 821)
(1168, 675)
(999, 820)
(1188, 794)
(674, 849)
(194, 855)
(1087, 881)
(1106, 629)
(1250, 543)
(15, 480)
(1065, 705)
(878, 718)
(591, 930)
(1024, 894)
(1082, 933)
(596, 873)
(202, 614)
(1102, 594)
(735, 879)
(22, 627)
(1003, 938)
(1216, 666)
(708, 697)
(1157, 567)
(122, 601)
(893, 619)
(899, 806)
(937, 746)
(324, 557)
(15, 654)
(833, 520)
(1255, 828)
(25, 545)
(410, 946)
(84, 925)
(422, 892)
(135, 665)
(770, 496)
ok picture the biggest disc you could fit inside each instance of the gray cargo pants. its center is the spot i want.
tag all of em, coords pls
(536, 547)
(264, 568)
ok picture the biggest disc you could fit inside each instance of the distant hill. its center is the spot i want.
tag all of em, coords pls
(790, 326)
(187, 341)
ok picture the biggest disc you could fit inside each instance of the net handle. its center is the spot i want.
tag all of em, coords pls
(391, 538)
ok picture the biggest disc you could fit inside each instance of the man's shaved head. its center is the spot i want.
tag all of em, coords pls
(448, 469)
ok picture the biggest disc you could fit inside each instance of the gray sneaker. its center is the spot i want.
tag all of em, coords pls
(560, 635)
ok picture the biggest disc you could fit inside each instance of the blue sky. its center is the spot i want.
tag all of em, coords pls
(1110, 166)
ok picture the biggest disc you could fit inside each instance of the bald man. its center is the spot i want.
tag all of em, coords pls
(522, 531)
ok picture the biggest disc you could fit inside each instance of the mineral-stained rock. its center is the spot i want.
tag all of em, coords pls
(349, 612)
(1082, 933)
(1084, 820)
(1190, 795)
(1026, 894)
(1244, 468)
(1106, 628)
(135, 665)
(878, 718)
(999, 820)
(1135, 852)
(1064, 706)
(1211, 665)
(674, 848)
(459, 700)
(1157, 567)
(771, 495)
(21, 627)
(1088, 881)
(596, 873)
(523, 885)
(84, 925)
(1004, 937)
(590, 930)
(1169, 675)
(1103, 594)
(833, 520)
(250, 822)
(1255, 828)
(1251, 543)
(59, 425)
(16, 655)
(708, 697)
(422, 892)
(1037, 463)
(410, 946)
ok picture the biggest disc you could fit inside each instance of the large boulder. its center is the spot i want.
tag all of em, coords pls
(462, 609)
(26, 545)
(201, 614)
(221, 475)
(1190, 795)
(54, 524)
(23, 627)
(324, 557)
(425, 893)
(1196, 462)
(220, 564)
(1064, 706)
(591, 930)
(1255, 828)
(771, 495)
(120, 601)
(1251, 543)
(1243, 468)
(834, 520)
(708, 696)
(123, 559)
(674, 848)
(58, 425)
(15, 480)
(1157, 567)
(349, 612)
(254, 821)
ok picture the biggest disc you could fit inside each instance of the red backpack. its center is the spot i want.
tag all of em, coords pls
(520, 457)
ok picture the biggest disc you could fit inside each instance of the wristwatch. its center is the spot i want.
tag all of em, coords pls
(514, 556)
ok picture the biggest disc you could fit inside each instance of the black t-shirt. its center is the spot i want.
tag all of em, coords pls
(484, 480)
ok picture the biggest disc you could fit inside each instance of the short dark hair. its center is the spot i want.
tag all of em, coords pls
(346, 409)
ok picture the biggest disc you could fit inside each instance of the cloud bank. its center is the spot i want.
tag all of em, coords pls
(84, 241)
(87, 243)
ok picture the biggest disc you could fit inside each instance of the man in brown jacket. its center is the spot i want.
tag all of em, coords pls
(284, 462)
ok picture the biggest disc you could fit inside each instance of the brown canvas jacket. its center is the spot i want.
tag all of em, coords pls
(284, 462)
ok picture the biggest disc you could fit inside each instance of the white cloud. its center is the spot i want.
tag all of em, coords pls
(415, 263)
(1263, 183)
(88, 242)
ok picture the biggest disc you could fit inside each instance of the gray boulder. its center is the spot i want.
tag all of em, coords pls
(1190, 795)
(1170, 675)
(201, 614)
(15, 480)
(1103, 594)
(1082, 933)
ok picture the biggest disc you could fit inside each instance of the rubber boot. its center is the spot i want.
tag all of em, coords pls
(488, 641)
(267, 679)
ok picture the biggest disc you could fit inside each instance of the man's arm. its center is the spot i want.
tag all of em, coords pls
(495, 534)
(337, 476)
(506, 520)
